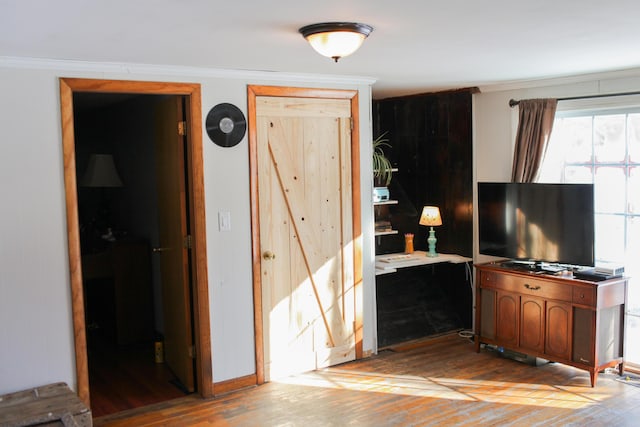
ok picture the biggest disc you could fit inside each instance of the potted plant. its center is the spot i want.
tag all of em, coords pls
(382, 169)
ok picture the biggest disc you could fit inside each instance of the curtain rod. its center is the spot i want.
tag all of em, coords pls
(514, 102)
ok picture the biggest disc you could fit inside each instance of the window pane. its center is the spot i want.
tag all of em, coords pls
(631, 267)
(578, 175)
(609, 138)
(633, 295)
(633, 191)
(610, 238)
(552, 165)
(632, 346)
(610, 188)
(612, 143)
(578, 134)
(634, 138)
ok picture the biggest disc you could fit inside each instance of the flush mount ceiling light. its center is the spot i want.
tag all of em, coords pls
(336, 39)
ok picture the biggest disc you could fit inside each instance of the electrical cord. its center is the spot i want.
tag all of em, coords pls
(469, 274)
(465, 333)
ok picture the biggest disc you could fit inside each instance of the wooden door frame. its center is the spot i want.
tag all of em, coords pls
(294, 92)
(202, 330)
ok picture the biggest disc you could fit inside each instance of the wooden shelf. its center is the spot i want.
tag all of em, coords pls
(386, 233)
(384, 212)
(390, 263)
(386, 202)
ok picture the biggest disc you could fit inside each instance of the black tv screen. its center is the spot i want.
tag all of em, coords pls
(551, 223)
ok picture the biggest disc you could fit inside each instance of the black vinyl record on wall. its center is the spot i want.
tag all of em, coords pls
(226, 125)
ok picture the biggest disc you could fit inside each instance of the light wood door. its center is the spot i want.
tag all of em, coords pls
(173, 248)
(306, 234)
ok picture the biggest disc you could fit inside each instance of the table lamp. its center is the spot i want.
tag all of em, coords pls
(431, 217)
(102, 173)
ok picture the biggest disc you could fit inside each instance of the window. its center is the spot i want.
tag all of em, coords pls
(598, 141)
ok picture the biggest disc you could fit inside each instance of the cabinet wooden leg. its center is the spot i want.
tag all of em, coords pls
(594, 377)
(477, 342)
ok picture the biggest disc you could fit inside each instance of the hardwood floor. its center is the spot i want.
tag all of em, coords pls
(440, 382)
(122, 378)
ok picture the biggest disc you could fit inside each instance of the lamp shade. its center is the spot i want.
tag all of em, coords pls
(336, 39)
(430, 216)
(101, 172)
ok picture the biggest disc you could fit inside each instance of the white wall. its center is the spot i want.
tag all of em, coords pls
(36, 335)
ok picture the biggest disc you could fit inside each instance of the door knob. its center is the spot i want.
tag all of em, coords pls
(268, 255)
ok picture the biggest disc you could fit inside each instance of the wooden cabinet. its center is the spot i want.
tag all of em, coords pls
(558, 318)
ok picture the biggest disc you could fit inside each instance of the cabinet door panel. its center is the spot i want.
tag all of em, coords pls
(583, 335)
(610, 322)
(558, 336)
(507, 315)
(488, 313)
(532, 323)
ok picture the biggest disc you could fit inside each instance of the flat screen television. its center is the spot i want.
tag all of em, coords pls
(540, 223)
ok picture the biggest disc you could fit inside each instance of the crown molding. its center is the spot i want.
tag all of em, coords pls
(557, 81)
(181, 71)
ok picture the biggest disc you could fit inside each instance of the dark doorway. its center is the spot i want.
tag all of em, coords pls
(191, 145)
(122, 282)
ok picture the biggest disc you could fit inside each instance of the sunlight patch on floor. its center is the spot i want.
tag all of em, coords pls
(356, 381)
(503, 392)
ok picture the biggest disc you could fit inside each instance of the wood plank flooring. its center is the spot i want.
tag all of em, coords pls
(122, 378)
(443, 382)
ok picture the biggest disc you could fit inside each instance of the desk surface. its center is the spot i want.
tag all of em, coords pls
(390, 263)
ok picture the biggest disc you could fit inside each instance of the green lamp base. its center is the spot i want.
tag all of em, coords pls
(432, 243)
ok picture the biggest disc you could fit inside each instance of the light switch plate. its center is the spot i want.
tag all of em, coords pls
(224, 221)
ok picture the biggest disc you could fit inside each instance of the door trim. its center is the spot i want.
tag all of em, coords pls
(293, 92)
(202, 330)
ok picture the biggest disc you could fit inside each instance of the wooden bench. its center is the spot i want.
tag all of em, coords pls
(49, 405)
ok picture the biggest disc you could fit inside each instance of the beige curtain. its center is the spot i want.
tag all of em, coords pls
(534, 129)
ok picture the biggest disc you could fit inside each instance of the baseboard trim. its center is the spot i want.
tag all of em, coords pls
(234, 384)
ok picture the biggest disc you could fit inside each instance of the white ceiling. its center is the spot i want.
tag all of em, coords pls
(416, 46)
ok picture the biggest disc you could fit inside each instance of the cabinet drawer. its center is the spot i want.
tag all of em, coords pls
(585, 295)
(527, 286)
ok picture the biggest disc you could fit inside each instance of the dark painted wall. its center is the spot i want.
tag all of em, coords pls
(431, 144)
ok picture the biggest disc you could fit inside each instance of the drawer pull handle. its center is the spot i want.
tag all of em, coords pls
(532, 288)
(584, 360)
